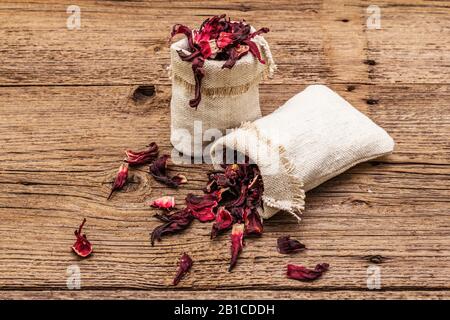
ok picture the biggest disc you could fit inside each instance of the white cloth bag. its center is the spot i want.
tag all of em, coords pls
(229, 96)
(313, 137)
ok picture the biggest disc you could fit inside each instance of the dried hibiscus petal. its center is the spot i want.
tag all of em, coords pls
(173, 223)
(199, 74)
(166, 202)
(223, 222)
(82, 247)
(287, 245)
(237, 243)
(184, 266)
(224, 39)
(253, 222)
(120, 180)
(179, 28)
(142, 157)
(158, 170)
(202, 207)
(304, 274)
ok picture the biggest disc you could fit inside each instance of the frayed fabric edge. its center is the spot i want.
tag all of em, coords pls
(297, 204)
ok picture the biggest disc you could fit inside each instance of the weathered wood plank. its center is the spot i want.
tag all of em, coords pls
(417, 116)
(314, 41)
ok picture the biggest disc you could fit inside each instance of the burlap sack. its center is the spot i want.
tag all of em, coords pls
(313, 137)
(229, 96)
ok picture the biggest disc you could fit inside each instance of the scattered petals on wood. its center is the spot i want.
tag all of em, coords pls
(173, 223)
(158, 170)
(165, 202)
(184, 266)
(82, 247)
(142, 157)
(304, 274)
(286, 245)
(120, 180)
(237, 243)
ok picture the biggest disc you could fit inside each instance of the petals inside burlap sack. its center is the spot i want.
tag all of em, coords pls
(229, 96)
(313, 137)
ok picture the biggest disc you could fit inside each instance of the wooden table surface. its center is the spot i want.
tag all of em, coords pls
(67, 113)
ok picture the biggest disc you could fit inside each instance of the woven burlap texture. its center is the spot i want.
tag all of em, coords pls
(313, 137)
(229, 96)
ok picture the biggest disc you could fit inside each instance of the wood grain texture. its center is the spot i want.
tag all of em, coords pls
(67, 113)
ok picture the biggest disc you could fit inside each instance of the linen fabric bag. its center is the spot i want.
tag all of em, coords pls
(313, 137)
(229, 96)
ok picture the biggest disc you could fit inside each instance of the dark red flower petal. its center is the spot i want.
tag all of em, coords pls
(120, 180)
(287, 245)
(179, 28)
(253, 48)
(202, 207)
(82, 247)
(253, 222)
(142, 157)
(199, 73)
(173, 223)
(184, 266)
(165, 202)
(158, 170)
(304, 274)
(237, 243)
(223, 222)
(225, 39)
(257, 33)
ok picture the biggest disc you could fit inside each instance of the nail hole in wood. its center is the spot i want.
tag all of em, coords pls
(143, 93)
(370, 62)
(371, 101)
(350, 88)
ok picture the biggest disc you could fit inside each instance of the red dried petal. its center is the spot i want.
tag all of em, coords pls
(166, 202)
(257, 33)
(254, 50)
(199, 73)
(179, 28)
(82, 247)
(158, 170)
(120, 180)
(253, 222)
(225, 39)
(237, 243)
(174, 223)
(142, 157)
(287, 245)
(304, 274)
(223, 222)
(184, 266)
(202, 207)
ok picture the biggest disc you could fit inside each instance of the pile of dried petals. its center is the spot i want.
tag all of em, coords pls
(158, 168)
(232, 200)
(217, 39)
